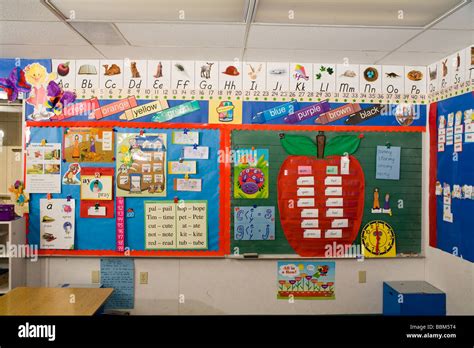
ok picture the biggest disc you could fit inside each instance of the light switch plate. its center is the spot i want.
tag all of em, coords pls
(143, 277)
(95, 277)
(362, 276)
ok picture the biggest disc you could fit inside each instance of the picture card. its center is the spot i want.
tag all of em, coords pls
(43, 168)
(57, 223)
(251, 173)
(88, 145)
(254, 223)
(97, 196)
(96, 184)
(73, 175)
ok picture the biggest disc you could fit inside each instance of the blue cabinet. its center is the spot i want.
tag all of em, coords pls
(413, 298)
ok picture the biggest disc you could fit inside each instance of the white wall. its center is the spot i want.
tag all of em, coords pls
(229, 286)
(454, 276)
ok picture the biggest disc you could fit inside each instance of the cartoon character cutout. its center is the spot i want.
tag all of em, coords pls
(71, 177)
(376, 204)
(38, 77)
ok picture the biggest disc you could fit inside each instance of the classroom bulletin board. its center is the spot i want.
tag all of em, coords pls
(186, 159)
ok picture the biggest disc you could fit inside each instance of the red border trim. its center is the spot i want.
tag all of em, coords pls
(110, 124)
(432, 122)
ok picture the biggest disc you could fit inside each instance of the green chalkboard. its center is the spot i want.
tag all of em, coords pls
(406, 221)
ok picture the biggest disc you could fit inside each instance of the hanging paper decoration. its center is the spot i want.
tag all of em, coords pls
(58, 98)
(14, 84)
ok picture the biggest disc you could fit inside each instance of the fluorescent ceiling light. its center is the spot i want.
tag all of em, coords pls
(99, 33)
(397, 13)
(153, 10)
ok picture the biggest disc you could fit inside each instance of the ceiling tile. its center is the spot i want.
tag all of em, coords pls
(154, 10)
(48, 51)
(411, 58)
(316, 56)
(461, 19)
(417, 13)
(185, 35)
(297, 37)
(169, 53)
(446, 41)
(38, 33)
(25, 10)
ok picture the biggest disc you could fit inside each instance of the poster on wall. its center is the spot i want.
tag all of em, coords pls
(43, 168)
(141, 165)
(251, 169)
(97, 184)
(88, 145)
(254, 223)
(57, 223)
(170, 225)
(306, 280)
(119, 274)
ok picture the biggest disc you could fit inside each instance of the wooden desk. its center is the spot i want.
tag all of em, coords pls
(53, 301)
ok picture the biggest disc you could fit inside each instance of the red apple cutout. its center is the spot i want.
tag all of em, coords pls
(326, 236)
(63, 69)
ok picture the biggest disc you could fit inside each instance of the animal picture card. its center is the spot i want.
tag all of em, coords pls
(141, 165)
(88, 145)
(57, 223)
(306, 280)
(251, 171)
(254, 223)
(97, 192)
(43, 168)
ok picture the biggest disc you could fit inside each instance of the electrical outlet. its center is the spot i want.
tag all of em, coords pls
(362, 276)
(143, 277)
(95, 277)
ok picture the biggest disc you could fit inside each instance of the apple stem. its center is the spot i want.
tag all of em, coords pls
(321, 143)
